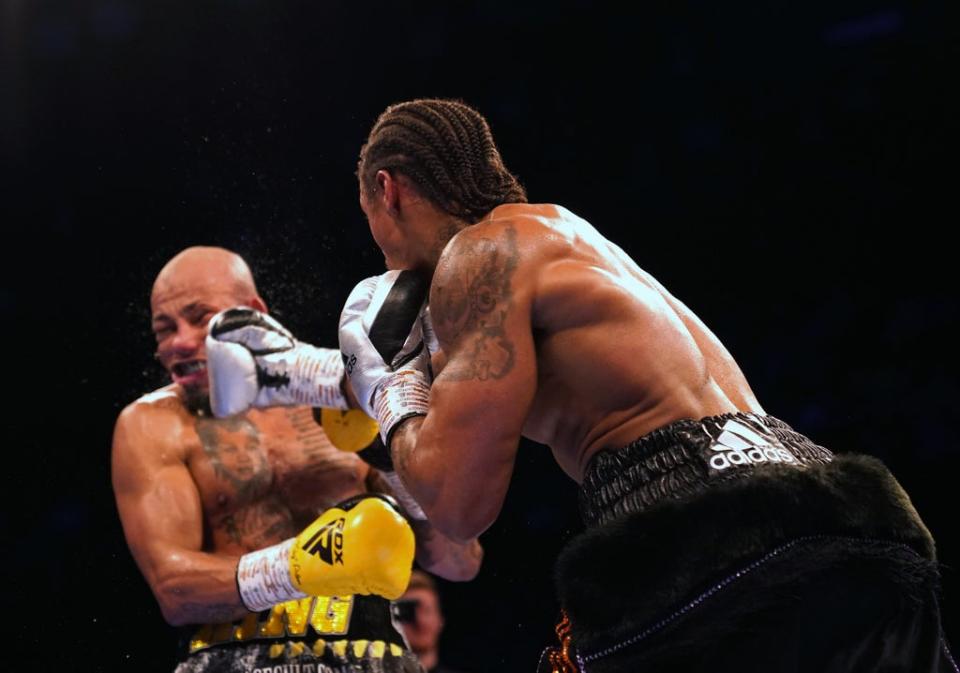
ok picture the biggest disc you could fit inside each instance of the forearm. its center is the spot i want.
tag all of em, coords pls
(423, 484)
(438, 486)
(196, 587)
(455, 561)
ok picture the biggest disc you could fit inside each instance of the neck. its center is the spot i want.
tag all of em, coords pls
(444, 230)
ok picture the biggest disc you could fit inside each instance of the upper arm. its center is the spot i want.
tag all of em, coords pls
(157, 499)
(480, 303)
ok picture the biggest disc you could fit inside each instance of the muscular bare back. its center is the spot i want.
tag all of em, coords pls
(616, 355)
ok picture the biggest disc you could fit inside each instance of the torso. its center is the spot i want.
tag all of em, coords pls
(262, 476)
(617, 355)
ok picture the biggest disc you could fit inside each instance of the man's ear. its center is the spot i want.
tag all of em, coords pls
(389, 191)
(258, 304)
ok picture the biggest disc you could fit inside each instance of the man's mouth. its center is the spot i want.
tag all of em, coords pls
(189, 372)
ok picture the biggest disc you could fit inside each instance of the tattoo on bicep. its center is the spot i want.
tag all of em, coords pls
(473, 301)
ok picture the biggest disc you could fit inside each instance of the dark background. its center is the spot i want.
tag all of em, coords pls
(787, 169)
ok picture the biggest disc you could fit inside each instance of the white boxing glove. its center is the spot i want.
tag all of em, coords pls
(253, 361)
(382, 341)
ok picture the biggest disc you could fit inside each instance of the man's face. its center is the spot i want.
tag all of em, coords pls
(424, 633)
(181, 312)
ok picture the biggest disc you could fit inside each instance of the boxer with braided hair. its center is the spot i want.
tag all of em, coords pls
(447, 150)
(718, 538)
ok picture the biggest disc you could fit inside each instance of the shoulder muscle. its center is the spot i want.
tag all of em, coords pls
(479, 281)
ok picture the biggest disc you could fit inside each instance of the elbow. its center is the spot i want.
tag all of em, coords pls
(467, 569)
(171, 604)
(454, 572)
(461, 527)
(173, 616)
(453, 561)
(169, 593)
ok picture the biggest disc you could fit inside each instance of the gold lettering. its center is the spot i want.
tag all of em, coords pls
(331, 615)
(298, 613)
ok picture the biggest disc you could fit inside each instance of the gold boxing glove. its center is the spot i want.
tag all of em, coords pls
(363, 545)
(348, 430)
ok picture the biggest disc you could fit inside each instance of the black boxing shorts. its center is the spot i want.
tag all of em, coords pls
(736, 543)
(352, 634)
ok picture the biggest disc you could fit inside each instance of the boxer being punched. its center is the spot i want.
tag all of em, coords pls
(200, 497)
(717, 537)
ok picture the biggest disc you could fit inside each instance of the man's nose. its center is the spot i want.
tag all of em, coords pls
(189, 338)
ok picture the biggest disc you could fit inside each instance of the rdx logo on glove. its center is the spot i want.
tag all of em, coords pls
(327, 543)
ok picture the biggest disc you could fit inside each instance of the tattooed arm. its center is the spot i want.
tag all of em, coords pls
(457, 461)
(162, 519)
(436, 553)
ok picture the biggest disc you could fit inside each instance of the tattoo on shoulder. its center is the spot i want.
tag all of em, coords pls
(473, 304)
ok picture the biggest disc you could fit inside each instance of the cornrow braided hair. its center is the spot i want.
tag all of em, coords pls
(445, 147)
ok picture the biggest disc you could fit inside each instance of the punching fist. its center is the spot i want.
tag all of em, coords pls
(253, 361)
(382, 342)
(360, 546)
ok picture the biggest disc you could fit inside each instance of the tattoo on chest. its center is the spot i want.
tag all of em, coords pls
(474, 302)
(235, 451)
(260, 525)
(310, 435)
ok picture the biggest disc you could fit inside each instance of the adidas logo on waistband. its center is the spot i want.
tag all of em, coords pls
(740, 445)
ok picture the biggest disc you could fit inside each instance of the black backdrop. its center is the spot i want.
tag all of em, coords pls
(786, 169)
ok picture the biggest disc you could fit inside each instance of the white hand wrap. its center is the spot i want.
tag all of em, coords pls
(263, 577)
(381, 339)
(399, 396)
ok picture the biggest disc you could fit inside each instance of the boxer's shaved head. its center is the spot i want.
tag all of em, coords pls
(189, 290)
(206, 267)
